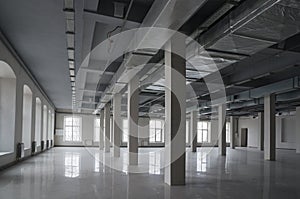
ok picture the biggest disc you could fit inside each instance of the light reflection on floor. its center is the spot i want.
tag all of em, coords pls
(65, 173)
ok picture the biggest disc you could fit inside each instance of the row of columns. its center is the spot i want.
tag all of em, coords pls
(175, 114)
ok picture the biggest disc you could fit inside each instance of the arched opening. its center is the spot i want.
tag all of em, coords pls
(49, 125)
(45, 125)
(27, 114)
(38, 121)
(52, 126)
(8, 107)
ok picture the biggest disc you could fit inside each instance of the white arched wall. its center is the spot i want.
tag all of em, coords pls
(45, 114)
(11, 114)
(27, 117)
(38, 121)
(49, 126)
(7, 107)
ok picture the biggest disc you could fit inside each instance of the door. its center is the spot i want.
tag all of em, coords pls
(244, 137)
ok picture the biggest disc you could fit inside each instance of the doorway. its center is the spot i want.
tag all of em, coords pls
(244, 137)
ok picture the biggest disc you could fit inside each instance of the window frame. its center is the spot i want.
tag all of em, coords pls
(156, 128)
(72, 126)
(201, 130)
(96, 129)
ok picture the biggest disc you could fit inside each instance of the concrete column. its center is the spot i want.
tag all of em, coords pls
(117, 124)
(222, 129)
(233, 130)
(269, 127)
(107, 127)
(193, 139)
(101, 137)
(133, 116)
(261, 131)
(175, 111)
(298, 130)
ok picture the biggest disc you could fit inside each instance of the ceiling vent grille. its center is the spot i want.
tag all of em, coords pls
(119, 9)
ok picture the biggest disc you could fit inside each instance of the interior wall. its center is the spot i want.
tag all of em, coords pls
(22, 78)
(285, 131)
(7, 114)
(87, 130)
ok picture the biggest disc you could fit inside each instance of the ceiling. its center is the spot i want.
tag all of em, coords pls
(36, 29)
(254, 43)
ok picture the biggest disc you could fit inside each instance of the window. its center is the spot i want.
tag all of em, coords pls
(27, 110)
(227, 132)
(187, 133)
(97, 129)
(72, 129)
(125, 131)
(8, 108)
(38, 121)
(202, 132)
(156, 131)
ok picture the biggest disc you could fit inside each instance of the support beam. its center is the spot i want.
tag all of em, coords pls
(101, 137)
(233, 131)
(261, 131)
(298, 130)
(194, 115)
(107, 127)
(175, 111)
(117, 124)
(222, 129)
(269, 127)
(133, 116)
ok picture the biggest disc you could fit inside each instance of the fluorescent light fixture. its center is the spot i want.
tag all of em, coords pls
(72, 72)
(70, 40)
(69, 4)
(70, 25)
(71, 53)
(70, 15)
(72, 79)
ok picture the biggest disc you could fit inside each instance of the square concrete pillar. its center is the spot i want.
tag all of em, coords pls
(101, 137)
(233, 131)
(269, 128)
(133, 117)
(194, 119)
(298, 130)
(175, 111)
(107, 127)
(222, 129)
(261, 131)
(117, 124)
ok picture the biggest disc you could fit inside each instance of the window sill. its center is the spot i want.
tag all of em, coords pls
(5, 153)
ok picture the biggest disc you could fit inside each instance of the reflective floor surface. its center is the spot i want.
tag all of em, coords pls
(65, 173)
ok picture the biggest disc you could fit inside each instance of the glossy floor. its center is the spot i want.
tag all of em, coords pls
(63, 173)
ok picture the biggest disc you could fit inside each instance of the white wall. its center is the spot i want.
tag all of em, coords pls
(285, 131)
(7, 114)
(22, 78)
(87, 130)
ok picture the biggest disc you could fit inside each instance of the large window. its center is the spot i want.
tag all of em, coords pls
(8, 107)
(227, 132)
(156, 131)
(97, 129)
(187, 133)
(202, 132)
(125, 131)
(72, 129)
(27, 109)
